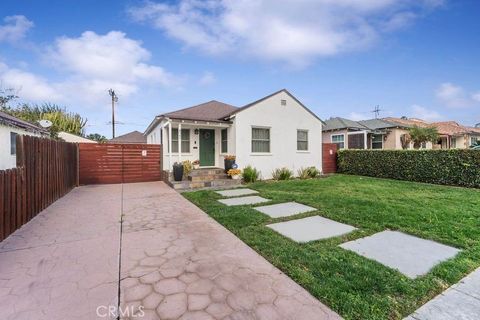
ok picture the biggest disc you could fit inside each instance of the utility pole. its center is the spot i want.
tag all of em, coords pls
(112, 94)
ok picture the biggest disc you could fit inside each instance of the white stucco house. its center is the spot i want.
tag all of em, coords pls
(10, 127)
(73, 138)
(273, 132)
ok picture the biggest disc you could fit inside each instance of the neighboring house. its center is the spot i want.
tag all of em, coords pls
(366, 134)
(456, 136)
(275, 131)
(131, 137)
(10, 127)
(70, 137)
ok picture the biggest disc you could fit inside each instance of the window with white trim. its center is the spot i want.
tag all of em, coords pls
(377, 141)
(339, 140)
(302, 140)
(260, 140)
(185, 140)
(224, 141)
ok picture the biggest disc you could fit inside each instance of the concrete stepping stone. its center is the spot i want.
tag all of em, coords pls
(311, 228)
(460, 301)
(236, 192)
(243, 201)
(284, 209)
(410, 255)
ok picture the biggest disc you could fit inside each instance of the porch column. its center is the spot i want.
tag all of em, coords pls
(365, 140)
(179, 142)
(170, 145)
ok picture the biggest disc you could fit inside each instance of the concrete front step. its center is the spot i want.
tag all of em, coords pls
(206, 172)
(185, 185)
(209, 177)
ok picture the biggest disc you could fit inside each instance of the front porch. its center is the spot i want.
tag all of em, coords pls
(203, 141)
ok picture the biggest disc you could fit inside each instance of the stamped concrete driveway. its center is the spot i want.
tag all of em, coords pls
(140, 251)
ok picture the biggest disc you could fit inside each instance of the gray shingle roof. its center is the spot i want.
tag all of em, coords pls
(370, 124)
(342, 123)
(9, 120)
(208, 111)
(131, 137)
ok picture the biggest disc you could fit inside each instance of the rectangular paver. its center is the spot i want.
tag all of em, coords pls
(284, 209)
(243, 201)
(410, 255)
(460, 301)
(311, 228)
(236, 192)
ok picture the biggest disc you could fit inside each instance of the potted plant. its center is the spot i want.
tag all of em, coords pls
(229, 161)
(196, 164)
(234, 173)
(178, 171)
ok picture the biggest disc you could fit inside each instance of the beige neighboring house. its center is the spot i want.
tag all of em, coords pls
(73, 138)
(452, 135)
(367, 134)
(10, 127)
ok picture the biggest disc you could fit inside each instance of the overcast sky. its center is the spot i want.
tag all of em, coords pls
(418, 58)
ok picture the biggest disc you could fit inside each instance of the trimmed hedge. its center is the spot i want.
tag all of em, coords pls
(451, 167)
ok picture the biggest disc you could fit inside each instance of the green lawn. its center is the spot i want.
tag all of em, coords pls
(355, 287)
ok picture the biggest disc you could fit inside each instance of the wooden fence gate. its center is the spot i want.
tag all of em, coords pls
(329, 155)
(119, 163)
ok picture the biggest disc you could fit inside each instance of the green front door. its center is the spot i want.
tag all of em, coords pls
(207, 147)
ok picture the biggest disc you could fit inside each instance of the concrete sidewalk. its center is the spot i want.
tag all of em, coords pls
(175, 263)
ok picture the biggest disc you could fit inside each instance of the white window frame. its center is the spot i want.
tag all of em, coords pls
(179, 136)
(221, 141)
(269, 141)
(308, 142)
(371, 141)
(338, 134)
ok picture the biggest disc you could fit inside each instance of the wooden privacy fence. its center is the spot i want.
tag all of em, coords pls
(46, 170)
(119, 163)
(329, 155)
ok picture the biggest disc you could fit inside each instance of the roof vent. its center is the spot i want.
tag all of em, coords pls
(283, 102)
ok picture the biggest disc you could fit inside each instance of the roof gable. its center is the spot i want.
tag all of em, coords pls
(272, 95)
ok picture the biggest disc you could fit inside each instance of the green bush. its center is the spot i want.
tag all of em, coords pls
(306, 173)
(459, 167)
(303, 173)
(313, 172)
(282, 174)
(250, 174)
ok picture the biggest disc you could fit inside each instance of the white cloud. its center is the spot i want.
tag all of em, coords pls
(207, 79)
(355, 116)
(476, 96)
(29, 85)
(291, 30)
(88, 66)
(15, 28)
(453, 96)
(425, 114)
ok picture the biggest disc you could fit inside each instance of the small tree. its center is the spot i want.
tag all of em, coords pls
(97, 137)
(420, 135)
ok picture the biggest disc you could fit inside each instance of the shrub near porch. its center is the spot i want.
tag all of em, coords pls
(354, 286)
